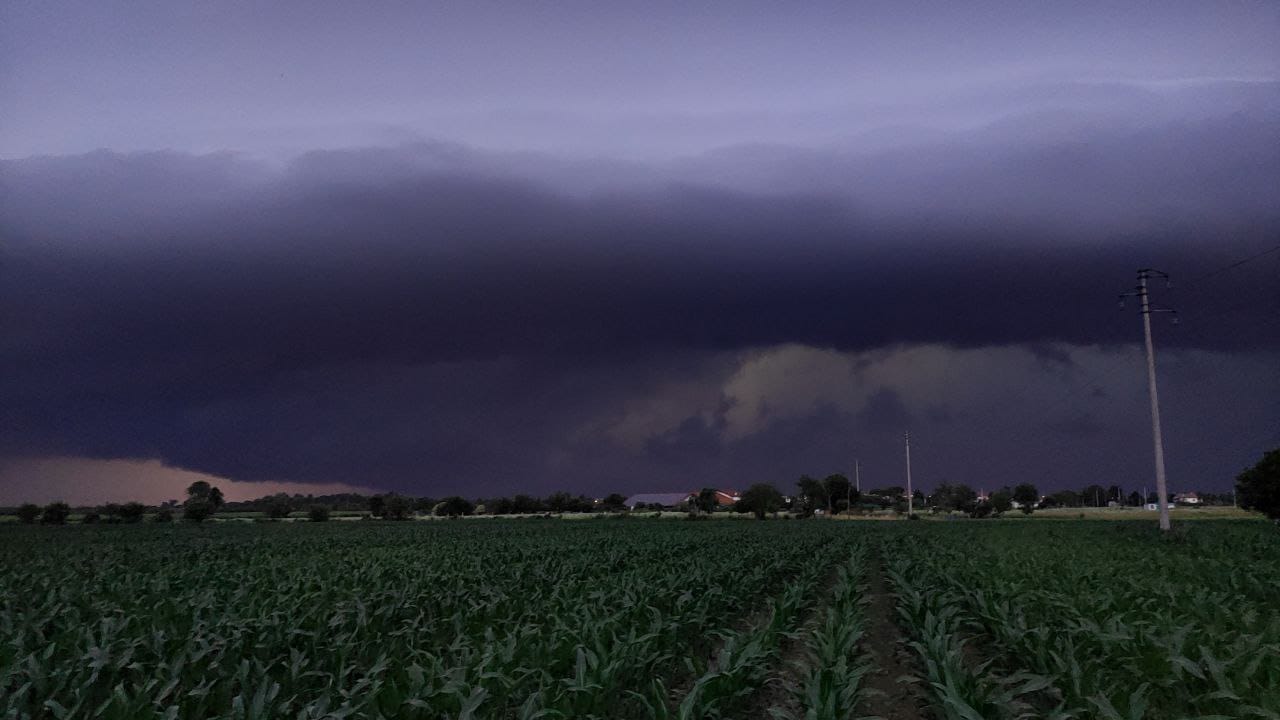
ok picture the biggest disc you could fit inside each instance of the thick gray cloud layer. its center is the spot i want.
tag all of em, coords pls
(698, 246)
(432, 317)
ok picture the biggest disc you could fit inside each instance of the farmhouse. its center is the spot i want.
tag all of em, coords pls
(664, 500)
(727, 498)
(724, 498)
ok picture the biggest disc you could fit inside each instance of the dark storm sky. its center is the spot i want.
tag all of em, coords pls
(490, 248)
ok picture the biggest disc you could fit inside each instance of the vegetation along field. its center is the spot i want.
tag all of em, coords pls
(641, 619)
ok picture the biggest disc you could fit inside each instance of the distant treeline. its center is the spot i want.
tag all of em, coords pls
(832, 494)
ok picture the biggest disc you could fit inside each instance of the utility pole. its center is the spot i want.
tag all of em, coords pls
(857, 483)
(1162, 492)
(910, 499)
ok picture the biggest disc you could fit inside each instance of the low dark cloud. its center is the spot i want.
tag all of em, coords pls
(432, 316)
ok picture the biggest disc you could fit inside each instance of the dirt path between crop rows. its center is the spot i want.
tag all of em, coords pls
(778, 690)
(891, 699)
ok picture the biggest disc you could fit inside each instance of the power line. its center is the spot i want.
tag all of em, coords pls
(1233, 265)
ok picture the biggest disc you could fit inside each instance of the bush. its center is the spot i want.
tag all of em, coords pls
(197, 510)
(28, 513)
(55, 513)
(1259, 487)
(454, 507)
(132, 512)
(278, 510)
(760, 499)
(398, 507)
(318, 513)
(90, 518)
(163, 515)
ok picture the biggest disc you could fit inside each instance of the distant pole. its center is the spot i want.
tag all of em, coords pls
(910, 500)
(858, 483)
(1162, 492)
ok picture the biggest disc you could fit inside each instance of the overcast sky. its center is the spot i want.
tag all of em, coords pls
(495, 248)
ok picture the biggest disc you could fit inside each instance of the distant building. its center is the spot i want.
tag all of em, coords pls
(1187, 498)
(664, 500)
(727, 498)
(724, 498)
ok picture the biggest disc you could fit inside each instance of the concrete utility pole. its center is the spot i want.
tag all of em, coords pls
(910, 499)
(1162, 492)
(858, 484)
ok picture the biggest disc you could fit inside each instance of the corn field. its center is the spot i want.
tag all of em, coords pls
(640, 619)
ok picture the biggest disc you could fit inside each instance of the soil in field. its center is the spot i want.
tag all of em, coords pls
(778, 690)
(890, 698)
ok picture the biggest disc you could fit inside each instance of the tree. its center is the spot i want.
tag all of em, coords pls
(28, 513)
(1094, 496)
(813, 495)
(398, 507)
(132, 512)
(203, 500)
(91, 517)
(614, 502)
(377, 506)
(1259, 487)
(1001, 501)
(948, 497)
(838, 490)
(493, 506)
(164, 515)
(560, 502)
(1027, 496)
(454, 507)
(526, 504)
(760, 499)
(706, 500)
(197, 510)
(1066, 498)
(55, 513)
(318, 513)
(1134, 499)
(279, 507)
